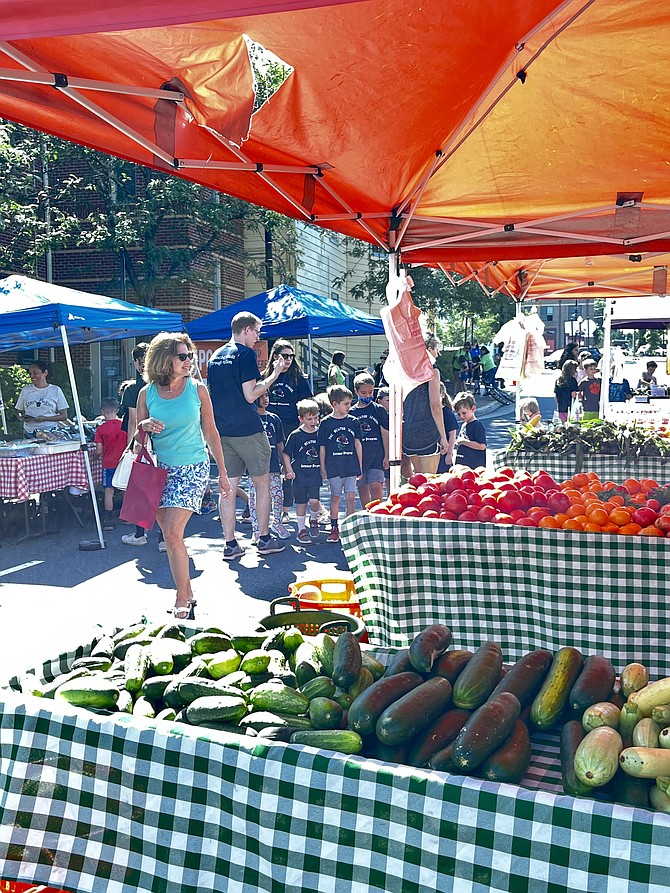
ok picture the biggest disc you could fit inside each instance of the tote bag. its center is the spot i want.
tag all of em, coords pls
(122, 470)
(144, 490)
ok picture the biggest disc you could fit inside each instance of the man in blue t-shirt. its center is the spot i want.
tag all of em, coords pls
(235, 383)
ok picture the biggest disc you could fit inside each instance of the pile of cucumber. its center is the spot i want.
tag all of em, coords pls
(452, 710)
(621, 747)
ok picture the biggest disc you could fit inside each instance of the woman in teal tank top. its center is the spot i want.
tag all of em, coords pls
(176, 410)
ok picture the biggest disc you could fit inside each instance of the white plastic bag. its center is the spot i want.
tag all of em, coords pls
(575, 413)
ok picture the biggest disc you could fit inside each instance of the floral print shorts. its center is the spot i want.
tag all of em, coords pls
(185, 486)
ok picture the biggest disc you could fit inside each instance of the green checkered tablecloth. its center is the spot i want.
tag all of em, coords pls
(523, 587)
(564, 465)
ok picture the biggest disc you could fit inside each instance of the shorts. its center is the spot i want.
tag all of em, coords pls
(107, 475)
(336, 485)
(302, 493)
(185, 486)
(371, 476)
(430, 449)
(249, 454)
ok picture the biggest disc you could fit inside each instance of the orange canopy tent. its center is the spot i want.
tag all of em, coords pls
(448, 129)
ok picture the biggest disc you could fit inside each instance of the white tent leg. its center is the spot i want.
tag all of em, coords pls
(606, 362)
(311, 364)
(82, 436)
(517, 406)
(395, 410)
(2, 413)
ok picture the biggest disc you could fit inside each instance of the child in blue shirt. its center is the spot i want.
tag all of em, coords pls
(374, 422)
(301, 463)
(340, 455)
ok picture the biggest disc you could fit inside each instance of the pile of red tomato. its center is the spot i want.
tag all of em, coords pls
(581, 503)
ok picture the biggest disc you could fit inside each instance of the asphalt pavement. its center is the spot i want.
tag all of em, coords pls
(53, 595)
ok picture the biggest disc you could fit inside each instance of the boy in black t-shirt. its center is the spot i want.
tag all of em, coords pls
(471, 439)
(340, 455)
(301, 465)
(374, 422)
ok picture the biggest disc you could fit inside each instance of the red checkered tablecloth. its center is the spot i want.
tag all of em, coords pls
(41, 474)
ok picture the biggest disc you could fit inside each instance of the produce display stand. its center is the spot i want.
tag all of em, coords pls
(122, 804)
(565, 465)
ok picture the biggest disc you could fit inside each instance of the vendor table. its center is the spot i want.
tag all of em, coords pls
(565, 465)
(20, 477)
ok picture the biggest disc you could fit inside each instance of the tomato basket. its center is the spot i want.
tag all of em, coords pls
(310, 623)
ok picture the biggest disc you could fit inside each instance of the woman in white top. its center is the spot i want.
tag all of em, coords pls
(40, 405)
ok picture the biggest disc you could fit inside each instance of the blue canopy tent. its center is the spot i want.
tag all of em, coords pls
(288, 312)
(40, 314)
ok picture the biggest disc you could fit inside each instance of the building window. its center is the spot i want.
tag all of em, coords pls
(549, 313)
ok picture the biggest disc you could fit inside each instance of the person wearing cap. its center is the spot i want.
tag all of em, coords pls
(589, 391)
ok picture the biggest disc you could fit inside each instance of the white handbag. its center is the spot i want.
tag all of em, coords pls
(122, 471)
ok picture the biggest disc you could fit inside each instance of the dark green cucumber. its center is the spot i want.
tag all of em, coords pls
(486, 730)
(437, 736)
(244, 644)
(192, 688)
(324, 713)
(479, 677)
(278, 699)
(324, 649)
(594, 683)
(292, 640)
(144, 707)
(125, 702)
(428, 645)
(572, 735)
(451, 664)
(391, 753)
(136, 665)
(550, 701)
(263, 719)
(340, 740)
(181, 654)
(319, 687)
(209, 643)
(368, 706)
(344, 698)
(524, 679)
(371, 663)
(88, 691)
(347, 660)
(49, 689)
(167, 714)
(510, 762)
(255, 661)
(93, 663)
(227, 708)
(224, 662)
(154, 687)
(161, 657)
(122, 648)
(443, 760)
(129, 632)
(411, 713)
(400, 663)
(104, 648)
(363, 681)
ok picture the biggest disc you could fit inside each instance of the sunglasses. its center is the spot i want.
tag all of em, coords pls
(288, 355)
(182, 357)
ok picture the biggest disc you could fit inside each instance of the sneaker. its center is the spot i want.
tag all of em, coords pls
(245, 517)
(108, 524)
(209, 505)
(324, 516)
(131, 540)
(303, 536)
(314, 531)
(270, 546)
(285, 519)
(162, 546)
(333, 536)
(280, 531)
(232, 552)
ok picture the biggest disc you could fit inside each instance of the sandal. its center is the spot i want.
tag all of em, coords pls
(184, 612)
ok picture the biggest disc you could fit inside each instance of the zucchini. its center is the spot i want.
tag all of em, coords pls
(319, 687)
(602, 714)
(88, 691)
(324, 713)
(144, 707)
(368, 706)
(486, 730)
(550, 701)
(210, 643)
(191, 689)
(244, 644)
(347, 660)
(646, 733)
(400, 663)
(161, 656)
(340, 740)
(645, 762)
(524, 678)
(597, 757)
(633, 678)
(661, 715)
(653, 695)
(253, 662)
(412, 712)
(663, 738)
(510, 762)
(572, 735)
(629, 717)
(437, 736)
(593, 684)
(479, 677)
(374, 666)
(428, 645)
(278, 698)
(225, 662)
(136, 664)
(659, 800)
(226, 708)
(364, 680)
(451, 664)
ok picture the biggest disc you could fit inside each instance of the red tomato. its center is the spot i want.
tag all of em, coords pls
(467, 516)
(558, 502)
(429, 504)
(502, 518)
(455, 502)
(451, 484)
(526, 522)
(410, 511)
(517, 515)
(644, 516)
(653, 504)
(447, 516)
(663, 523)
(486, 513)
(475, 499)
(509, 500)
(408, 496)
(417, 479)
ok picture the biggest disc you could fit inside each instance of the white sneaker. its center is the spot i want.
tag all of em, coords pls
(162, 546)
(281, 532)
(131, 540)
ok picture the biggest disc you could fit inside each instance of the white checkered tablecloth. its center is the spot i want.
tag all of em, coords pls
(21, 477)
